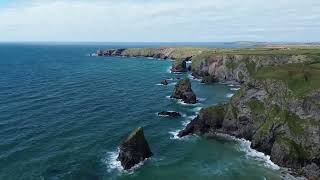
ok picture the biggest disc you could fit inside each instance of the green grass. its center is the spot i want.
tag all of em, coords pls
(275, 115)
(177, 53)
(215, 111)
(301, 79)
(296, 151)
(184, 82)
(231, 65)
(256, 106)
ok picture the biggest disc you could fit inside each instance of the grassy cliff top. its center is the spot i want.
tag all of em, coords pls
(300, 78)
(185, 51)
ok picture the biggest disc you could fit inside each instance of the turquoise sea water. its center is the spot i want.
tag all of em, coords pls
(63, 114)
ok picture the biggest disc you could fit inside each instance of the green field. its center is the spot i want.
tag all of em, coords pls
(300, 78)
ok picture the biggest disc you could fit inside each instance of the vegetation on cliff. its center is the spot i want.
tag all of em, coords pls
(277, 107)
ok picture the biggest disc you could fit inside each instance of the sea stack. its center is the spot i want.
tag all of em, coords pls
(180, 65)
(184, 92)
(134, 149)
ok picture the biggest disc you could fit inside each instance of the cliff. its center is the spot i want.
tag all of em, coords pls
(180, 55)
(277, 107)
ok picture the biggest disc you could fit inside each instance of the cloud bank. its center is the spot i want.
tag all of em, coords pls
(160, 20)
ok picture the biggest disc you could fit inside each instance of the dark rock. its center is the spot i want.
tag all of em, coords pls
(118, 52)
(179, 66)
(208, 79)
(183, 91)
(169, 114)
(208, 119)
(189, 68)
(134, 149)
(312, 171)
(164, 82)
(108, 52)
(99, 52)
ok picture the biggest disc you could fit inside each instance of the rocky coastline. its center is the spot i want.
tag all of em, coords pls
(277, 107)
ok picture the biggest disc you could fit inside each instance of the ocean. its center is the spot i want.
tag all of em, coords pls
(64, 113)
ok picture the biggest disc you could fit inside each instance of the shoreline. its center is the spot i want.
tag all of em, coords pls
(233, 79)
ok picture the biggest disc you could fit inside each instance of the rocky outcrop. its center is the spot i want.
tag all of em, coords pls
(184, 54)
(184, 92)
(134, 149)
(208, 120)
(169, 114)
(236, 68)
(279, 124)
(179, 66)
(164, 82)
(279, 118)
(110, 52)
(208, 79)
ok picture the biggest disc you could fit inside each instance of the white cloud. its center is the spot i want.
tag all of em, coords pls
(160, 20)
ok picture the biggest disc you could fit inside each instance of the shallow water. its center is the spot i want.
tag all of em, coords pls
(63, 114)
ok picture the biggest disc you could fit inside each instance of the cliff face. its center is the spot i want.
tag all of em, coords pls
(180, 55)
(266, 113)
(277, 107)
(237, 68)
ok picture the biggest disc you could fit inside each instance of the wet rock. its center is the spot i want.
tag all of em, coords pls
(179, 66)
(134, 149)
(184, 92)
(164, 82)
(170, 114)
(208, 120)
(208, 79)
(117, 52)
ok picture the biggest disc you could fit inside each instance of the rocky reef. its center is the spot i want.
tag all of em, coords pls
(184, 92)
(172, 114)
(164, 82)
(134, 149)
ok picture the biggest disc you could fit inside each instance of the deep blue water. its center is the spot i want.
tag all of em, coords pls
(63, 114)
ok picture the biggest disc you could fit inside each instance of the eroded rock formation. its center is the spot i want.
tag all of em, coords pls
(134, 149)
(184, 92)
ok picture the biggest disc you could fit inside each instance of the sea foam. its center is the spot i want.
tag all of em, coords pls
(175, 133)
(245, 146)
(114, 165)
(193, 78)
(229, 95)
(235, 89)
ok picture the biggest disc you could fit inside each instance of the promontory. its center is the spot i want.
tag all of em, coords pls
(277, 107)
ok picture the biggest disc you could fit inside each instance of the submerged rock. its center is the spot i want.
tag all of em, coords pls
(134, 149)
(164, 82)
(170, 114)
(184, 92)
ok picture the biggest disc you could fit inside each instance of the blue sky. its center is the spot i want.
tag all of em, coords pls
(160, 20)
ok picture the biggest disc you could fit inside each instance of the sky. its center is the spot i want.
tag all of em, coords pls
(160, 20)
